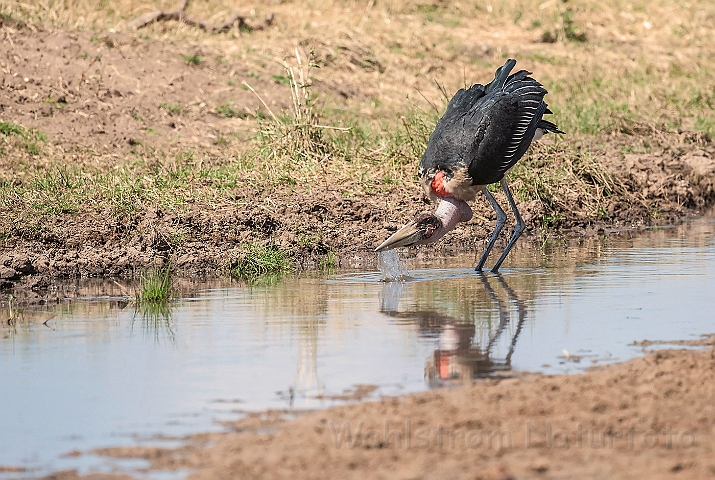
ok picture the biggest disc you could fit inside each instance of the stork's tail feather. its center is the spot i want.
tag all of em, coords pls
(519, 76)
(501, 76)
(547, 126)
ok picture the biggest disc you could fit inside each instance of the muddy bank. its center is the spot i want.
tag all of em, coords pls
(651, 417)
(662, 187)
(108, 101)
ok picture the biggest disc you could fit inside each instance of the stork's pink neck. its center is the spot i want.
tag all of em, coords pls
(451, 212)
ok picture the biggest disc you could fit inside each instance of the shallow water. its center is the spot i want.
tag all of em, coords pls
(97, 373)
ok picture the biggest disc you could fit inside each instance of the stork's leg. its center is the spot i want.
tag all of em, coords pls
(501, 218)
(520, 225)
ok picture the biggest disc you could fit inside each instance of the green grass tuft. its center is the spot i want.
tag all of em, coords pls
(32, 148)
(155, 286)
(9, 128)
(192, 59)
(173, 108)
(282, 79)
(227, 111)
(329, 261)
(259, 260)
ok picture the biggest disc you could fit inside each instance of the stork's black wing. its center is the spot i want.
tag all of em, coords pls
(446, 144)
(505, 126)
(488, 129)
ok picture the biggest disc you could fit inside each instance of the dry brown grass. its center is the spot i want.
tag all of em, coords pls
(644, 60)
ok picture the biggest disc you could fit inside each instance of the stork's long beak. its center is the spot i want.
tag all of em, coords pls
(404, 237)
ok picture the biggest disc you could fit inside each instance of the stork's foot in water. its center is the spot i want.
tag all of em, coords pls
(501, 218)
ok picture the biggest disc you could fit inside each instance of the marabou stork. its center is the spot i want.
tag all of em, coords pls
(483, 133)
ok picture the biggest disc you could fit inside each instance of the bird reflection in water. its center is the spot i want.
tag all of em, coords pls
(464, 351)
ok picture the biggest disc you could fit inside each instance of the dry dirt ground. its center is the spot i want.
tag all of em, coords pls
(652, 417)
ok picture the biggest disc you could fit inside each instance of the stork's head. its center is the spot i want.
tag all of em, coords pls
(429, 227)
(421, 230)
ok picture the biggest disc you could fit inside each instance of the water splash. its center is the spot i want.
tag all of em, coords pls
(393, 266)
